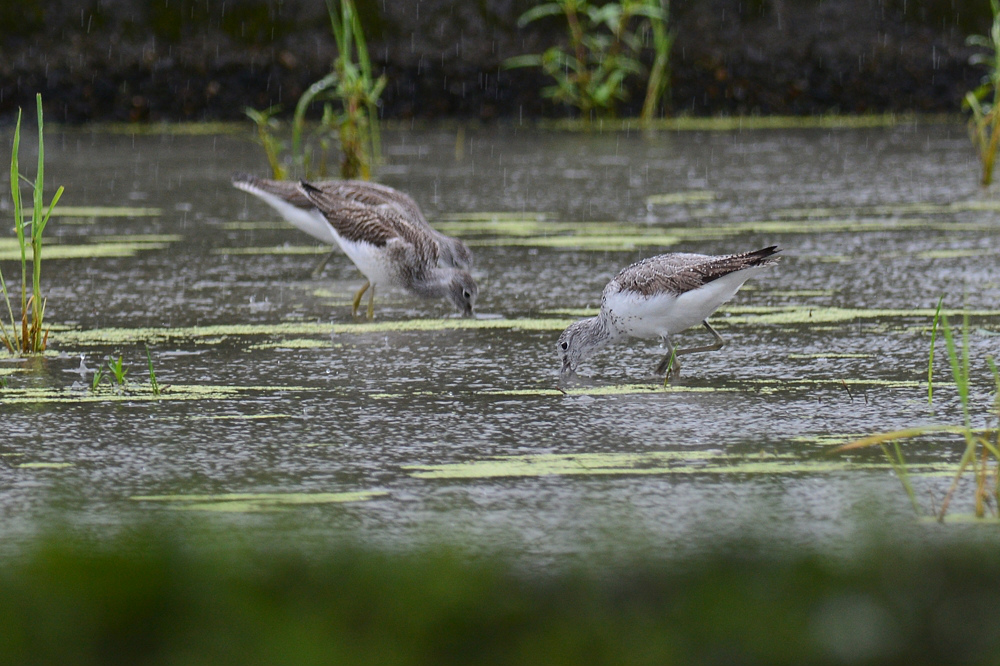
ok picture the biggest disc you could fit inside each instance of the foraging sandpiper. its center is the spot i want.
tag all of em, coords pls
(286, 198)
(393, 249)
(660, 296)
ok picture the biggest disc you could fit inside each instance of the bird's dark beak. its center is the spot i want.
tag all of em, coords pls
(567, 369)
(469, 312)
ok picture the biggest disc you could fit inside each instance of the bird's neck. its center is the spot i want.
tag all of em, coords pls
(598, 331)
(433, 283)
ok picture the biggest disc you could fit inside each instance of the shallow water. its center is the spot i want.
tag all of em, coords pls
(284, 417)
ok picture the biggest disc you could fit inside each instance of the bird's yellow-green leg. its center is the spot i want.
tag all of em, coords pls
(371, 303)
(670, 362)
(357, 298)
(316, 272)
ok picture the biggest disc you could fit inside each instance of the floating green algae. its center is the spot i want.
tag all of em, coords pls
(254, 226)
(474, 216)
(200, 128)
(236, 417)
(84, 251)
(818, 315)
(582, 242)
(103, 211)
(689, 196)
(139, 238)
(298, 343)
(111, 336)
(654, 462)
(620, 389)
(253, 502)
(137, 393)
(44, 465)
(830, 355)
(794, 293)
(274, 249)
(957, 254)
(917, 208)
(744, 123)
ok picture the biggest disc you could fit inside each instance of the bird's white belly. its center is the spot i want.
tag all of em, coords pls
(370, 260)
(662, 315)
(310, 221)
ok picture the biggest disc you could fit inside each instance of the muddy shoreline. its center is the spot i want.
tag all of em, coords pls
(122, 60)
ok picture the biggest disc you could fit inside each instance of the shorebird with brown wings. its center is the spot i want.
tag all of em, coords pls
(660, 296)
(392, 249)
(296, 208)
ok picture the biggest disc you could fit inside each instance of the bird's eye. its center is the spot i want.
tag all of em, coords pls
(564, 345)
(466, 295)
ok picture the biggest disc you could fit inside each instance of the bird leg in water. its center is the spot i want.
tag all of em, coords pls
(316, 272)
(371, 303)
(357, 298)
(675, 367)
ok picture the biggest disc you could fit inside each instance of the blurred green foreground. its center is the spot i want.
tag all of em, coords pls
(147, 600)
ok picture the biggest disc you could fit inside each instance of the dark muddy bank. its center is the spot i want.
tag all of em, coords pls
(126, 60)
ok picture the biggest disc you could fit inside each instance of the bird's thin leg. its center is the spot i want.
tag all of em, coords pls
(371, 303)
(357, 298)
(316, 272)
(669, 364)
(719, 342)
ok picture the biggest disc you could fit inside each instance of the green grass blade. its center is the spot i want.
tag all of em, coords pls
(12, 342)
(898, 464)
(961, 380)
(152, 373)
(930, 358)
(883, 437)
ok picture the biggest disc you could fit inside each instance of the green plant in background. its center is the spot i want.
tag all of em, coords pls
(32, 337)
(604, 47)
(659, 76)
(984, 101)
(267, 128)
(981, 454)
(352, 88)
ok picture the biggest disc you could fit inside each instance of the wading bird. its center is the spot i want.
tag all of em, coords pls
(296, 208)
(392, 249)
(661, 296)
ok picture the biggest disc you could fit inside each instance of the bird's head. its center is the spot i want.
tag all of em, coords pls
(462, 291)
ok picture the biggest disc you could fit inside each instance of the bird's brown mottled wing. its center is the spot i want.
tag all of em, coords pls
(374, 194)
(677, 273)
(358, 222)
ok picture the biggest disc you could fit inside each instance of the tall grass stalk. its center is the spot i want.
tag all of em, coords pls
(32, 336)
(155, 385)
(930, 357)
(350, 97)
(981, 454)
(659, 75)
(984, 101)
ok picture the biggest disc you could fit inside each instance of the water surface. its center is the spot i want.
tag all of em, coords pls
(284, 416)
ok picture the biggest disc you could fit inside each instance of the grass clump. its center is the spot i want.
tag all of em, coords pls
(981, 454)
(115, 370)
(155, 385)
(605, 42)
(984, 101)
(29, 336)
(349, 95)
